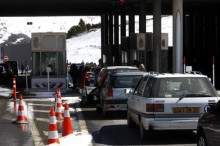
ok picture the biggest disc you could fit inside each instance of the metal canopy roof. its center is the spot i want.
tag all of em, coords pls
(92, 7)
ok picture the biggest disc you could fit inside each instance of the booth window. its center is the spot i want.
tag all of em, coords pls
(50, 59)
(49, 42)
(36, 63)
(61, 64)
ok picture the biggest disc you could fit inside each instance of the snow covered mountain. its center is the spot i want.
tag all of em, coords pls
(85, 47)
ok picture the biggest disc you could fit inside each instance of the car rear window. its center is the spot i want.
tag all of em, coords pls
(125, 81)
(184, 87)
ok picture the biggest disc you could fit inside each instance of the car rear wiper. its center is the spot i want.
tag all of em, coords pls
(193, 95)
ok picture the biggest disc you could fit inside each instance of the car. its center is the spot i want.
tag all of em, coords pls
(208, 130)
(104, 72)
(88, 86)
(169, 102)
(113, 95)
(9, 72)
(3, 73)
(14, 66)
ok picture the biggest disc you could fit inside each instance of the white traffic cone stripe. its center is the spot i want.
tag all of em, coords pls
(53, 120)
(59, 110)
(14, 81)
(66, 113)
(20, 113)
(53, 135)
(21, 103)
(14, 86)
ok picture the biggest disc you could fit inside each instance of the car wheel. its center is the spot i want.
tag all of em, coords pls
(84, 100)
(130, 122)
(201, 141)
(103, 110)
(143, 132)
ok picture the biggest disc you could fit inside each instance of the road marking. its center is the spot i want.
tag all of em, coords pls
(82, 122)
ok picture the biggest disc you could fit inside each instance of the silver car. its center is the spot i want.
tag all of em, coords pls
(112, 94)
(169, 102)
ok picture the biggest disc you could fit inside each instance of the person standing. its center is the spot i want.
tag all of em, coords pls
(22, 69)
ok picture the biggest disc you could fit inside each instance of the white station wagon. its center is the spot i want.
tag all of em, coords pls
(169, 102)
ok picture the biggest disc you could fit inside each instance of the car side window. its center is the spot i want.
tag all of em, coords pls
(148, 88)
(140, 89)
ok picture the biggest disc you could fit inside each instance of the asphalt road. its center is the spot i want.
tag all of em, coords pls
(113, 130)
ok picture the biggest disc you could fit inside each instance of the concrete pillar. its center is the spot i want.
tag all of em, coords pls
(116, 40)
(116, 30)
(131, 30)
(110, 29)
(156, 35)
(131, 23)
(142, 18)
(123, 25)
(110, 32)
(102, 38)
(178, 36)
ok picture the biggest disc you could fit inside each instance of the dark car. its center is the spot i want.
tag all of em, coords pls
(9, 72)
(208, 131)
(14, 66)
(3, 73)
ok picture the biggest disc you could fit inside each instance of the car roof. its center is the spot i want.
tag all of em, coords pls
(121, 67)
(130, 73)
(175, 75)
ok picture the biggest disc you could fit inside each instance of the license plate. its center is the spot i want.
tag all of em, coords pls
(186, 110)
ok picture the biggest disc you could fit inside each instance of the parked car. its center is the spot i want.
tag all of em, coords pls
(14, 66)
(208, 131)
(8, 70)
(104, 72)
(3, 73)
(112, 93)
(169, 102)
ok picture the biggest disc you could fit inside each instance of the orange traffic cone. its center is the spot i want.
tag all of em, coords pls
(58, 110)
(21, 119)
(67, 126)
(52, 134)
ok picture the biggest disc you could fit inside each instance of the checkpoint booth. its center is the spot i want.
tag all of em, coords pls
(48, 60)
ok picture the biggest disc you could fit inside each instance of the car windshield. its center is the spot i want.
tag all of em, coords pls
(184, 87)
(125, 81)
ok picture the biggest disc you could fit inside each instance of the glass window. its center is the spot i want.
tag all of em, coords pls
(49, 42)
(36, 63)
(126, 81)
(50, 59)
(140, 89)
(148, 88)
(36, 42)
(184, 86)
(61, 42)
(61, 64)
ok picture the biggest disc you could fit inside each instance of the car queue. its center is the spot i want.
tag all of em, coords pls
(156, 101)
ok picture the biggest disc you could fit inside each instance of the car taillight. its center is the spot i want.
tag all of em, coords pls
(154, 107)
(110, 91)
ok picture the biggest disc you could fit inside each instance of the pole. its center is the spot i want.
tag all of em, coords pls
(48, 79)
(26, 81)
(184, 64)
(14, 89)
(213, 70)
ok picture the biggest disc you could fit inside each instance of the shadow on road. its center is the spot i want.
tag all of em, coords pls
(122, 135)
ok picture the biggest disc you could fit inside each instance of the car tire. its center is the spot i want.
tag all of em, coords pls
(130, 122)
(104, 112)
(201, 140)
(84, 100)
(143, 132)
